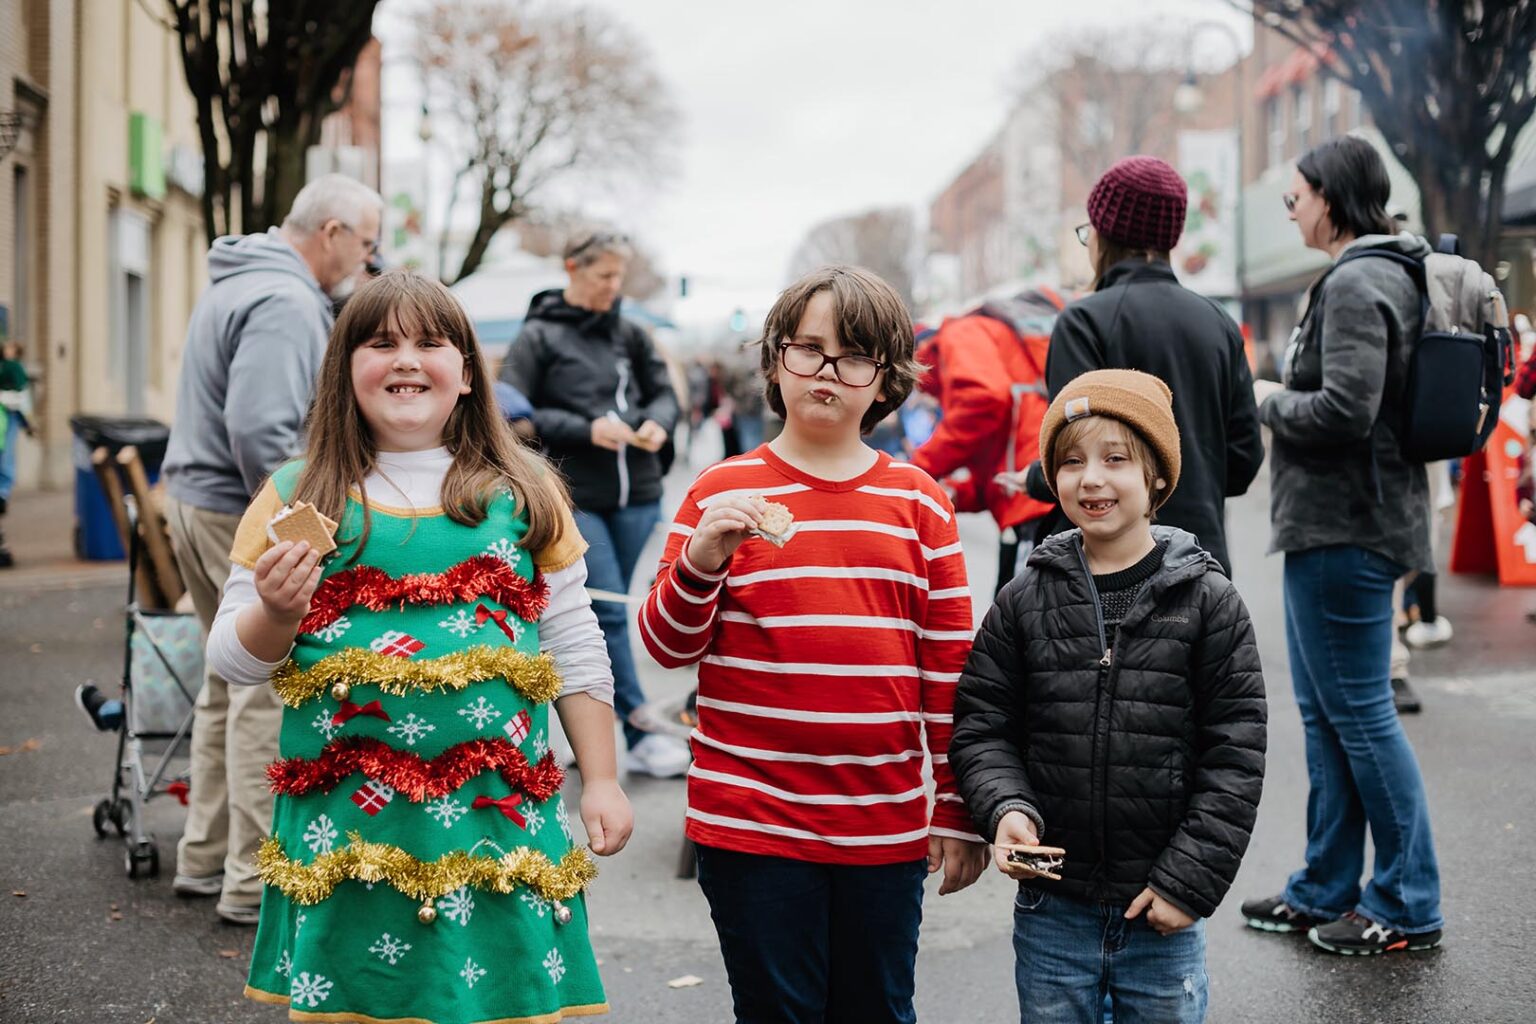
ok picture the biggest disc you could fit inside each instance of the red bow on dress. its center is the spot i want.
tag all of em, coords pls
(499, 615)
(350, 710)
(507, 805)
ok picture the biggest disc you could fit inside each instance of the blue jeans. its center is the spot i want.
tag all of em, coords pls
(1338, 626)
(614, 542)
(1069, 954)
(11, 427)
(809, 943)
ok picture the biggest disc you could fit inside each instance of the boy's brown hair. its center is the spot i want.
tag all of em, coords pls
(871, 320)
(1080, 431)
(487, 457)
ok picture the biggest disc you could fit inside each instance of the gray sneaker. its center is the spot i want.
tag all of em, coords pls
(198, 885)
(245, 915)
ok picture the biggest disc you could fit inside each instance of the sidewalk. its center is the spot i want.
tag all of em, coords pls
(40, 530)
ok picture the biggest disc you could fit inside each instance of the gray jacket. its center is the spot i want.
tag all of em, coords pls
(1345, 376)
(253, 350)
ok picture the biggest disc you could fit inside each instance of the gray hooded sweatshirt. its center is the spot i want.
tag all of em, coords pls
(253, 350)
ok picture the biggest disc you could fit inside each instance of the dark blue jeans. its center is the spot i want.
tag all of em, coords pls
(614, 542)
(1338, 626)
(1070, 954)
(812, 943)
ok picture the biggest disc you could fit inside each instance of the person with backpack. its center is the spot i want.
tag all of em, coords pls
(1350, 511)
(987, 370)
(1140, 318)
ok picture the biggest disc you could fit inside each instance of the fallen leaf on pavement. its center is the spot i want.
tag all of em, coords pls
(686, 981)
(36, 648)
(18, 892)
(229, 954)
(25, 747)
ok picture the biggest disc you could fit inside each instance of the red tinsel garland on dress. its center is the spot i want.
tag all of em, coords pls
(410, 774)
(483, 576)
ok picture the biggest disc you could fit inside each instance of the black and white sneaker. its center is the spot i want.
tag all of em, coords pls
(1276, 915)
(1354, 935)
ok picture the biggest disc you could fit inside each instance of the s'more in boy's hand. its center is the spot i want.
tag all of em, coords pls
(776, 524)
(302, 521)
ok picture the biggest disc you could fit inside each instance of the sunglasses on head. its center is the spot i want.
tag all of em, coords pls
(598, 239)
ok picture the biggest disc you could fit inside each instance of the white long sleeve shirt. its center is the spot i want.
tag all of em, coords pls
(568, 629)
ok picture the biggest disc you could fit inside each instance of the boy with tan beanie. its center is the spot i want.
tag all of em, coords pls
(1113, 706)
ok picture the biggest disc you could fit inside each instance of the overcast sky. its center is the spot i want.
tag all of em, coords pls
(799, 111)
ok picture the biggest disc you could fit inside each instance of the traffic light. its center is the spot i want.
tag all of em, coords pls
(682, 287)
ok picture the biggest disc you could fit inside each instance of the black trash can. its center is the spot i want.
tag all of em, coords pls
(95, 529)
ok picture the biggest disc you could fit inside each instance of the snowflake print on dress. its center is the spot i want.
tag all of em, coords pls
(446, 810)
(538, 904)
(284, 964)
(555, 966)
(540, 746)
(325, 722)
(320, 834)
(330, 634)
(460, 623)
(298, 923)
(389, 948)
(457, 906)
(411, 728)
(471, 973)
(480, 712)
(535, 819)
(504, 550)
(564, 819)
(311, 992)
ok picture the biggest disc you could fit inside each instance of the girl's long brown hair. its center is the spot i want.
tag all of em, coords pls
(486, 455)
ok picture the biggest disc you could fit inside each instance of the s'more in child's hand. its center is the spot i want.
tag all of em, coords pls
(776, 524)
(302, 521)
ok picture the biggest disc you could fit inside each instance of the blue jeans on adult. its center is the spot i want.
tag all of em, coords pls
(614, 542)
(1338, 626)
(11, 427)
(808, 943)
(1069, 954)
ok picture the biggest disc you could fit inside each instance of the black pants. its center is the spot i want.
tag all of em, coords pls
(812, 943)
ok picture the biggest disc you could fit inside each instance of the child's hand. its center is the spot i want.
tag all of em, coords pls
(962, 861)
(286, 578)
(1015, 829)
(1164, 917)
(721, 530)
(606, 813)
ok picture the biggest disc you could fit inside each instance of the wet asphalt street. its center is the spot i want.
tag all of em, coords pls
(81, 943)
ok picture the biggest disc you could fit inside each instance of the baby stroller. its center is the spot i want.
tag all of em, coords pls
(162, 675)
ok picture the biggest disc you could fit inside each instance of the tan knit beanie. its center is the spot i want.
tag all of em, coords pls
(1139, 400)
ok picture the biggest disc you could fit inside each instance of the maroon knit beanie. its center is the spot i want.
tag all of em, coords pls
(1140, 203)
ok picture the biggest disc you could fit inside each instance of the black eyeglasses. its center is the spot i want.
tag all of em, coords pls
(1081, 231)
(805, 361)
(601, 239)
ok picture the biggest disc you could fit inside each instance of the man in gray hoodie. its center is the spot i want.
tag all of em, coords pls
(253, 350)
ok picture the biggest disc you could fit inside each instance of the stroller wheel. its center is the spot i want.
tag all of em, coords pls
(142, 861)
(101, 816)
(122, 812)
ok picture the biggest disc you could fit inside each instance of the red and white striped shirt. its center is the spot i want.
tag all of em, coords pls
(823, 665)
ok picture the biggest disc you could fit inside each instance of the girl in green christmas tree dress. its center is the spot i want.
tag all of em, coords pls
(421, 866)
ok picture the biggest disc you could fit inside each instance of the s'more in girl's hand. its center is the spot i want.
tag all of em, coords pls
(776, 525)
(302, 521)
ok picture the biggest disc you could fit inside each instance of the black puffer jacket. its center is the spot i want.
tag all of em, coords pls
(1147, 771)
(576, 366)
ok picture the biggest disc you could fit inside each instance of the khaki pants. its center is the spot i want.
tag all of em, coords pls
(234, 730)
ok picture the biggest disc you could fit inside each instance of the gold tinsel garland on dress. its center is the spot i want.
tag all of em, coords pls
(534, 676)
(361, 861)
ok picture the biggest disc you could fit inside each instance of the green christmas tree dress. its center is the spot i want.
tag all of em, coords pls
(421, 866)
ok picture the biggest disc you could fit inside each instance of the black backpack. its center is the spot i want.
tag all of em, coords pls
(1463, 360)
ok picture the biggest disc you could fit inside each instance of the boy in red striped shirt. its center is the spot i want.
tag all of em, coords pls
(824, 667)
